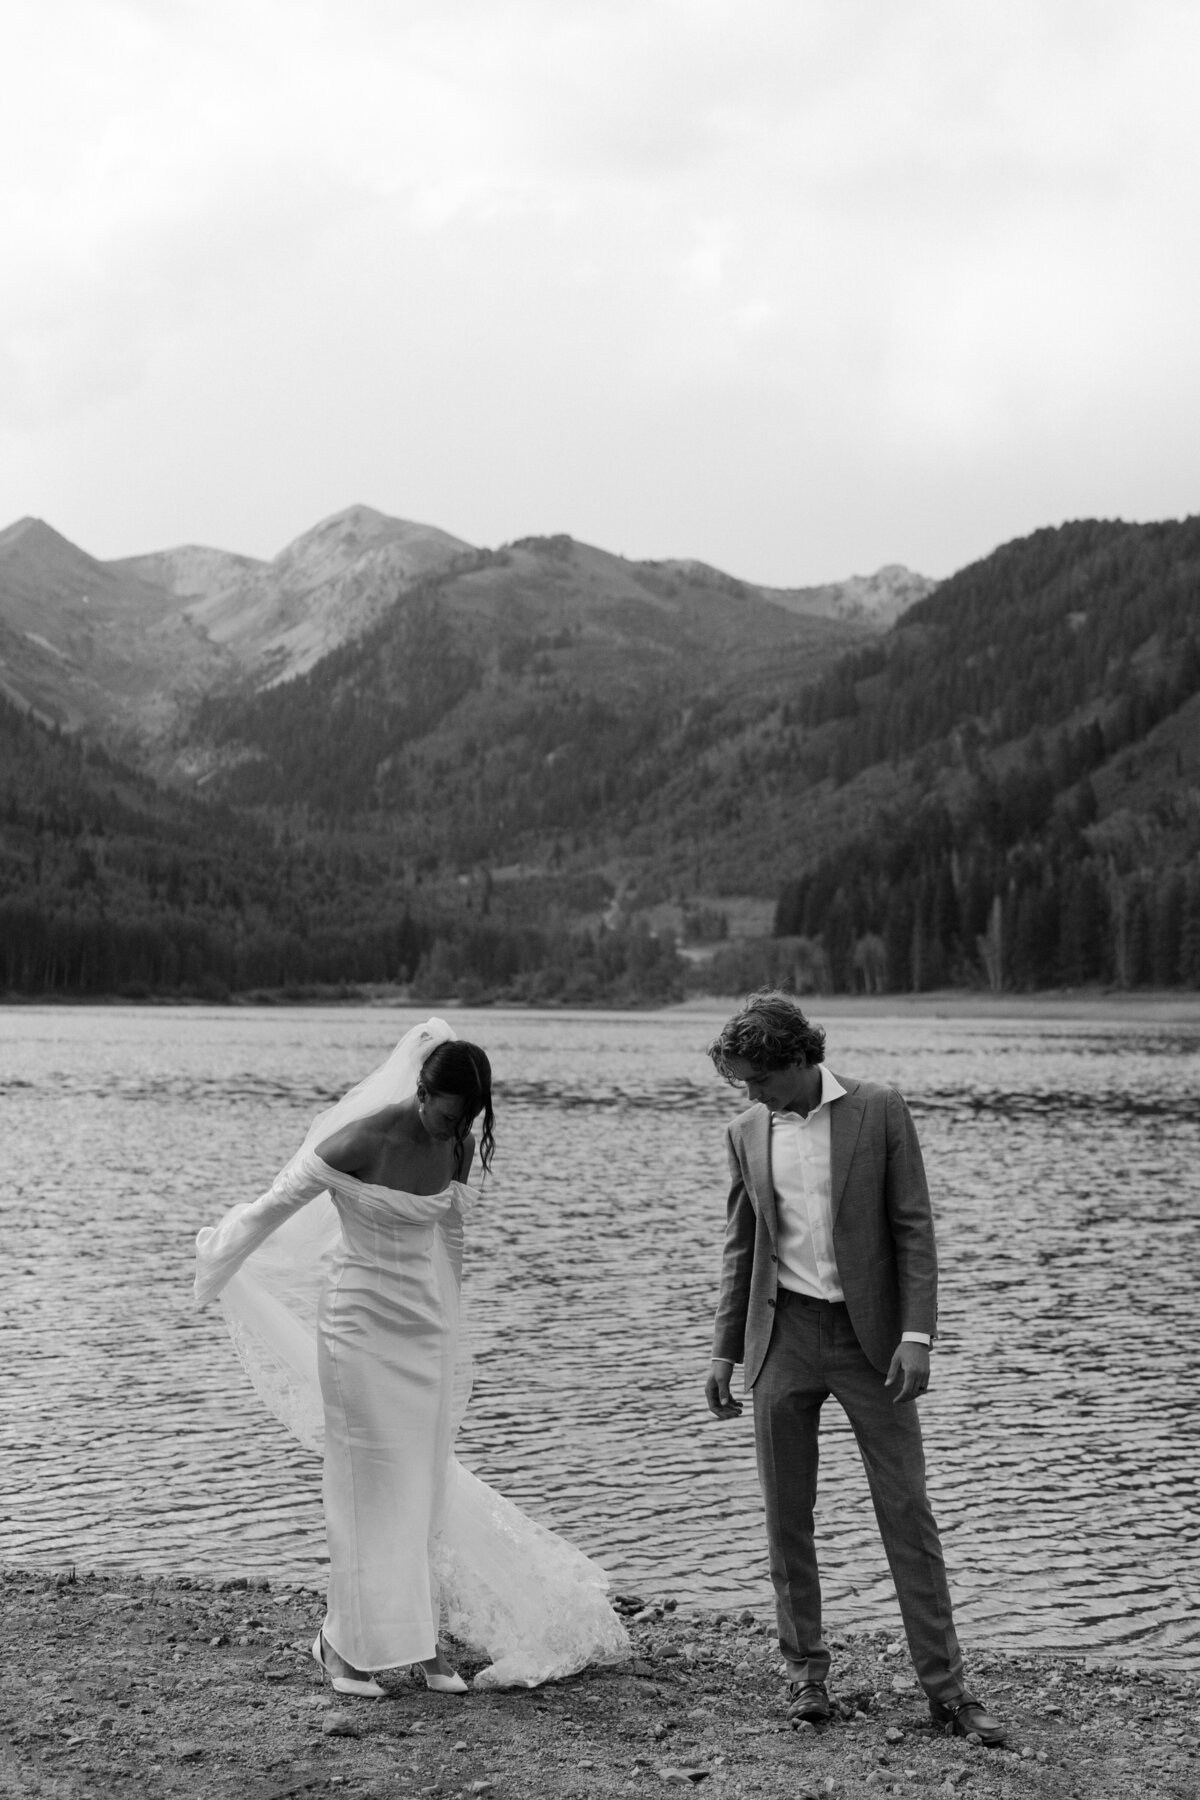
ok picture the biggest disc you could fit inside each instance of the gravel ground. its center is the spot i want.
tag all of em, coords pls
(127, 1686)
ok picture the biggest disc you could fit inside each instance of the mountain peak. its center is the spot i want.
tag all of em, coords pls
(357, 518)
(877, 599)
(357, 529)
(33, 534)
(33, 551)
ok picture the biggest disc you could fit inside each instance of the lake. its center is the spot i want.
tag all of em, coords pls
(1061, 1428)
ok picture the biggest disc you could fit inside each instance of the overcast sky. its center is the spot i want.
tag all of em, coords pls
(798, 287)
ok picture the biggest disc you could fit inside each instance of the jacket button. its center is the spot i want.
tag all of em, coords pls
(770, 1303)
(774, 1259)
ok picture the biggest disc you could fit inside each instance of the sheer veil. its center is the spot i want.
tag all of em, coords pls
(270, 1302)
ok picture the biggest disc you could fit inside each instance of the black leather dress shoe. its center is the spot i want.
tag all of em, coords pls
(962, 1718)
(810, 1700)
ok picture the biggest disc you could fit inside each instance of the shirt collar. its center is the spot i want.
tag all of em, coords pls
(831, 1089)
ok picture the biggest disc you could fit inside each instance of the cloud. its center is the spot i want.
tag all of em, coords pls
(517, 255)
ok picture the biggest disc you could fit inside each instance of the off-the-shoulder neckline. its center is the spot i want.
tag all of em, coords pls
(377, 1187)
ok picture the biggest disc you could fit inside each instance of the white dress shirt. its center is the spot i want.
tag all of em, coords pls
(801, 1178)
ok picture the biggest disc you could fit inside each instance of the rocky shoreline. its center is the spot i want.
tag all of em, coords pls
(124, 1685)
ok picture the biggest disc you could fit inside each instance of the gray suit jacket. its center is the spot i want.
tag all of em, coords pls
(882, 1229)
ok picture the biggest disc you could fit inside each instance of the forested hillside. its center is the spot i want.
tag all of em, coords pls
(1044, 709)
(113, 885)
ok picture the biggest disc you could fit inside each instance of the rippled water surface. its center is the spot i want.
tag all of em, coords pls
(1062, 1428)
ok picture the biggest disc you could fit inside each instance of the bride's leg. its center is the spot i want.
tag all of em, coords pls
(337, 1665)
(437, 1664)
(345, 1677)
(437, 1670)
(440, 1677)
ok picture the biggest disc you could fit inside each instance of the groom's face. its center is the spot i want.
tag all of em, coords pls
(782, 1090)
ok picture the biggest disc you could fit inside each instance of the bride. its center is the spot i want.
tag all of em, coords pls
(340, 1286)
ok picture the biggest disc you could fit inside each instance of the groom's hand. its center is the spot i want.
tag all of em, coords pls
(909, 1366)
(721, 1402)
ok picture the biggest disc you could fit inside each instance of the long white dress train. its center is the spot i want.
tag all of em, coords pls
(346, 1317)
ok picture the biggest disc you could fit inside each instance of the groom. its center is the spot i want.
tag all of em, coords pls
(829, 1286)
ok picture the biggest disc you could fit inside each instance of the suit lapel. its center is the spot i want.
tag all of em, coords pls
(756, 1135)
(845, 1123)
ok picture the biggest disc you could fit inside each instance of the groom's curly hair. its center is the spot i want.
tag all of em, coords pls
(771, 1032)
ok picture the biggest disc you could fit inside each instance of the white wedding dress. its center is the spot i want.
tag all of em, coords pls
(343, 1301)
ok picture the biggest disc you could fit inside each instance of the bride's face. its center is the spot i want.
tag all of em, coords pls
(440, 1113)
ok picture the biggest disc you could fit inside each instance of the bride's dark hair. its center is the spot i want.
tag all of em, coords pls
(463, 1070)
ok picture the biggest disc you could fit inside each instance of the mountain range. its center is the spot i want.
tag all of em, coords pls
(125, 647)
(533, 771)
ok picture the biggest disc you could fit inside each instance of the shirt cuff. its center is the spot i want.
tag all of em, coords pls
(916, 1337)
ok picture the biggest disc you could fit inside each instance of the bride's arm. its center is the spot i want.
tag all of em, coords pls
(223, 1248)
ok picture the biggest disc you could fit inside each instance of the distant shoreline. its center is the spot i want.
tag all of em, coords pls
(1156, 1006)
(1145, 1006)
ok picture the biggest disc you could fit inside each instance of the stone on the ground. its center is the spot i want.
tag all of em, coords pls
(339, 1724)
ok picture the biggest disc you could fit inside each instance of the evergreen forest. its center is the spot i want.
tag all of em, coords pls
(1046, 705)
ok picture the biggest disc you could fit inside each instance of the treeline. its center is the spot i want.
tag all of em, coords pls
(627, 965)
(57, 950)
(1042, 925)
(49, 948)
(999, 897)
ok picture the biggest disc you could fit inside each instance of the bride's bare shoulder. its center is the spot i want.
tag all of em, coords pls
(356, 1145)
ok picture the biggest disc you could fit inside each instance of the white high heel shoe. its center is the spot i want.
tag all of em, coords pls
(437, 1683)
(346, 1684)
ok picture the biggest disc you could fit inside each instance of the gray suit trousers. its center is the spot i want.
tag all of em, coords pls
(813, 1354)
